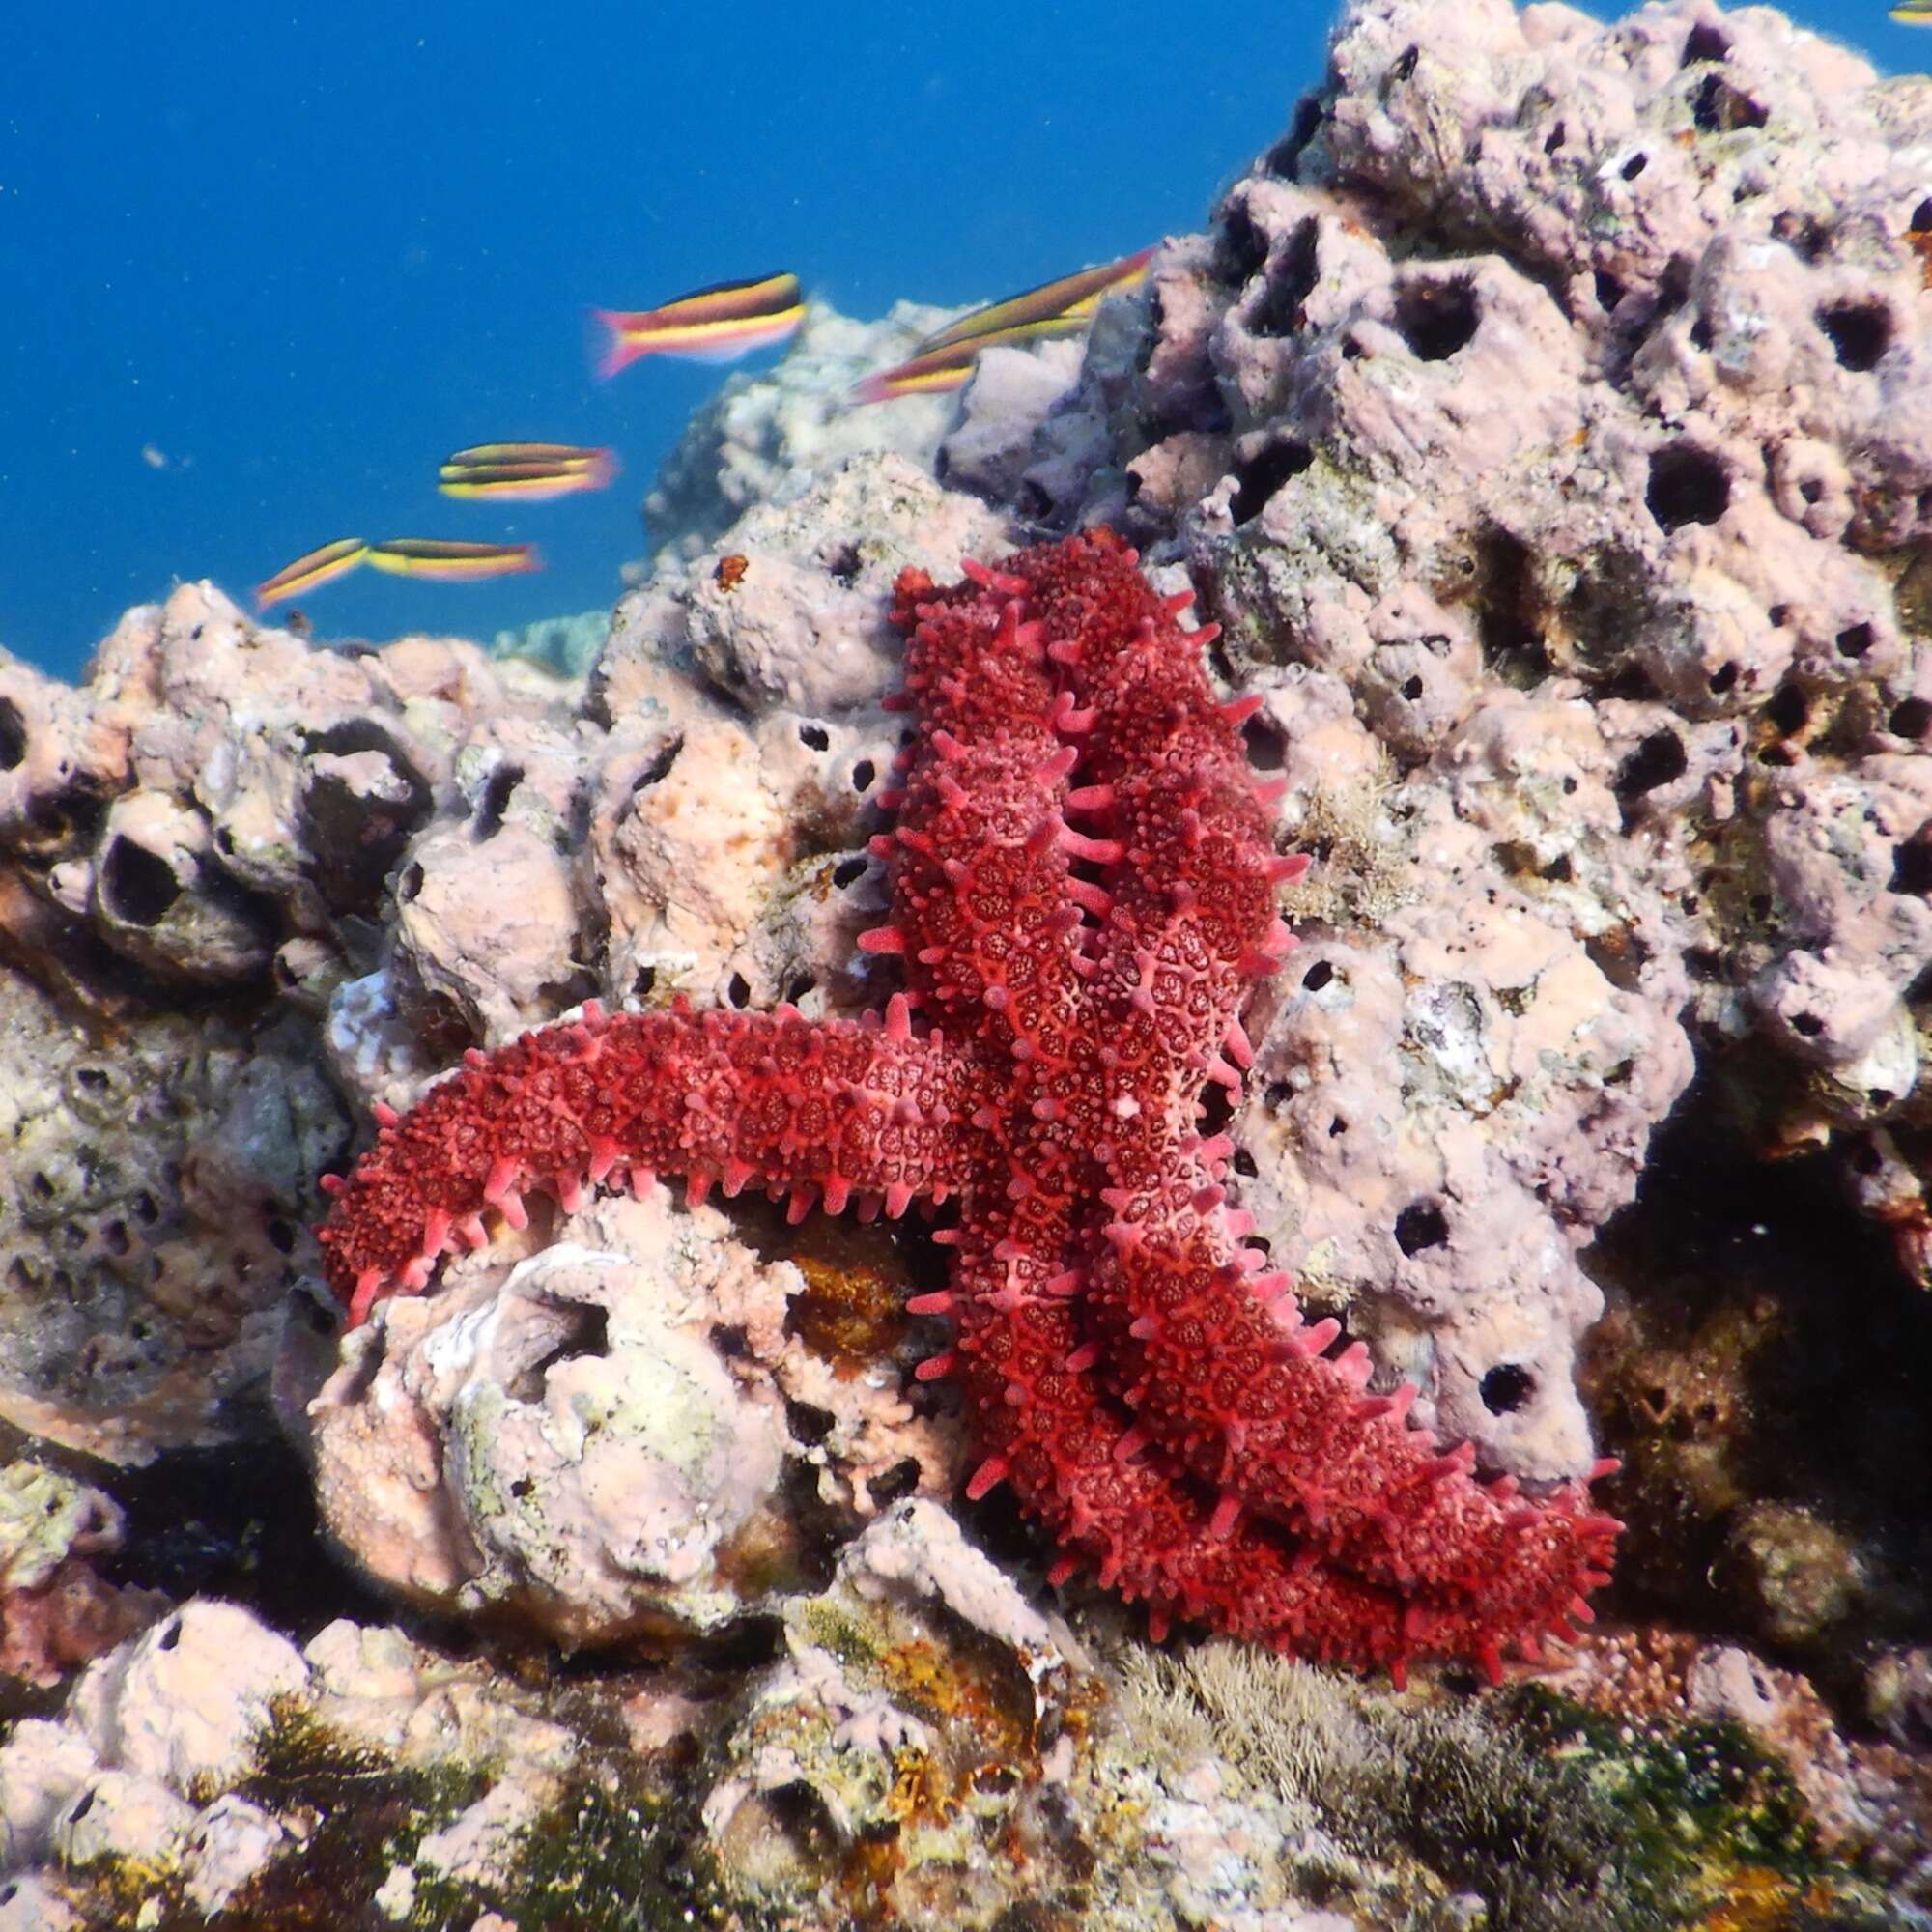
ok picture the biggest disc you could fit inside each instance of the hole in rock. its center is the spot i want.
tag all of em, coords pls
(1921, 217)
(847, 872)
(1317, 977)
(1411, 689)
(1687, 485)
(1609, 291)
(659, 767)
(495, 800)
(738, 990)
(1719, 109)
(1555, 139)
(816, 736)
(1284, 157)
(1860, 332)
(13, 735)
(1658, 760)
(1807, 1024)
(1910, 718)
(863, 774)
(843, 564)
(895, 1483)
(1279, 311)
(1634, 167)
(1723, 678)
(170, 1637)
(1912, 866)
(1243, 249)
(1420, 1225)
(586, 1332)
(1214, 1109)
(1244, 1164)
(809, 1423)
(1787, 710)
(1257, 480)
(1704, 43)
(1267, 743)
(1436, 318)
(1855, 640)
(137, 886)
(1506, 1388)
(1508, 613)
(1033, 502)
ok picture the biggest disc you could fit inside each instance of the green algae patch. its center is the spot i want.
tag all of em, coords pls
(616, 1854)
(613, 1854)
(1709, 1831)
(366, 1814)
(1557, 1817)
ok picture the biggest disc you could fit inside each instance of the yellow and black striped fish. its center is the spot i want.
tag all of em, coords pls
(1055, 309)
(714, 325)
(1069, 295)
(311, 570)
(451, 562)
(525, 472)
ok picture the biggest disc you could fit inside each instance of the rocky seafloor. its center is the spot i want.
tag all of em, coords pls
(1547, 419)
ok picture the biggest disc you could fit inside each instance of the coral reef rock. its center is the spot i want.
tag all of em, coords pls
(56, 1610)
(766, 434)
(1545, 419)
(598, 1436)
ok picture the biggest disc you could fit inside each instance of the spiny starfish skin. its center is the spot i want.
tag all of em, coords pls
(1084, 887)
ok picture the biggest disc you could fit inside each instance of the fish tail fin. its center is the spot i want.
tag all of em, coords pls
(612, 346)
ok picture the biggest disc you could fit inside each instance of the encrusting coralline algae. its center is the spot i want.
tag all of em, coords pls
(1542, 421)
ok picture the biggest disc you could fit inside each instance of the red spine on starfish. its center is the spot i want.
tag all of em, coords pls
(1084, 889)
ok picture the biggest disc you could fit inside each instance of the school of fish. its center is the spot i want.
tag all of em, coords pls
(717, 324)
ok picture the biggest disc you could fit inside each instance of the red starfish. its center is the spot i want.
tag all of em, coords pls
(1148, 1387)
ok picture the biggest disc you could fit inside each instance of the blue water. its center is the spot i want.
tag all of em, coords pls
(265, 263)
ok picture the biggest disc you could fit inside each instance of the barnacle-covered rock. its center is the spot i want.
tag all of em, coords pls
(153, 1181)
(596, 1437)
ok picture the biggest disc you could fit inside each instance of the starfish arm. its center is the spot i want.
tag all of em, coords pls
(746, 1100)
(1047, 1422)
(977, 860)
(1251, 1402)
(1164, 779)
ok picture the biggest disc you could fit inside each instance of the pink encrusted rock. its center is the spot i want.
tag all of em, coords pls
(1638, 435)
(594, 1435)
(56, 1612)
